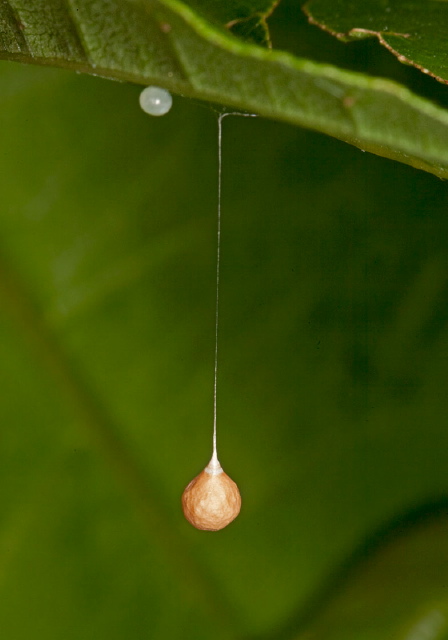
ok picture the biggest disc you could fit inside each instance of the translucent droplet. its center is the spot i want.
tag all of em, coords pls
(155, 101)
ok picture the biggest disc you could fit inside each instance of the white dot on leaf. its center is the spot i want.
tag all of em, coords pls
(155, 101)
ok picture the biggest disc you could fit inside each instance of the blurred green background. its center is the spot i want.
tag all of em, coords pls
(332, 394)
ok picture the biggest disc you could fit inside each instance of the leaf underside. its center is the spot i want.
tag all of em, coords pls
(169, 44)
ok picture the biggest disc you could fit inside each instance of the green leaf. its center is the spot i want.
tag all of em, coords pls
(413, 31)
(243, 18)
(394, 586)
(169, 44)
(332, 396)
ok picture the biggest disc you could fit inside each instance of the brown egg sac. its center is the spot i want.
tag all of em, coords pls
(212, 500)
